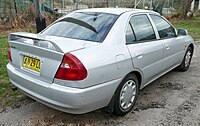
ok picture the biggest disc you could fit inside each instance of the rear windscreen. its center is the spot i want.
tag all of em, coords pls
(88, 26)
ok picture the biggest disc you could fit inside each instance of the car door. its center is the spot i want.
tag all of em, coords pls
(145, 50)
(173, 46)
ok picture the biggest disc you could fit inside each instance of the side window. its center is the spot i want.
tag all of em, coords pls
(165, 30)
(130, 37)
(142, 28)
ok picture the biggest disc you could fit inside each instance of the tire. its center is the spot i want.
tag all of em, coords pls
(126, 95)
(186, 60)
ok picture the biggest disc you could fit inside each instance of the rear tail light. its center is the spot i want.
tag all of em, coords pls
(9, 53)
(71, 68)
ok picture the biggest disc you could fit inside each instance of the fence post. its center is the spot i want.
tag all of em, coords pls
(15, 6)
(76, 4)
(40, 20)
(107, 3)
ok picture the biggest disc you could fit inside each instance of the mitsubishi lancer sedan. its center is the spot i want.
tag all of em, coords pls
(97, 58)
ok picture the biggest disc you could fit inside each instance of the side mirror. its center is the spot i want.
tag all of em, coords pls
(182, 32)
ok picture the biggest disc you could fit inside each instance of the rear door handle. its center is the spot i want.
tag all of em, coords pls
(139, 55)
(167, 47)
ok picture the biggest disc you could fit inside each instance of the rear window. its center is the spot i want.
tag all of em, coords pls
(85, 26)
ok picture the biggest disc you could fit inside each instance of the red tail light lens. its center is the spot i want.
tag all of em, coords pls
(71, 68)
(9, 54)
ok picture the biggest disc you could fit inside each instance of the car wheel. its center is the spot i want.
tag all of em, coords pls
(126, 95)
(187, 60)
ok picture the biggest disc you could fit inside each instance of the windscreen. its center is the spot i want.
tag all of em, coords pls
(90, 26)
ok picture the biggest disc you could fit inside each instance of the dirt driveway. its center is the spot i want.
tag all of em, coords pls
(174, 99)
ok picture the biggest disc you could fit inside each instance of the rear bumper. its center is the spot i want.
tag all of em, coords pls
(67, 99)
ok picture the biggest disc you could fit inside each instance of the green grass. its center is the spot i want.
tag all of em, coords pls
(3, 56)
(192, 25)
(7, 96)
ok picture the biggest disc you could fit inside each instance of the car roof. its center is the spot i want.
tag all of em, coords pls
(117, 11)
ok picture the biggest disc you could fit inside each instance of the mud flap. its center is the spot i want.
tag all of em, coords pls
(110, 107)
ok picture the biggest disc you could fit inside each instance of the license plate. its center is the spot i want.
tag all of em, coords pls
(31, 63)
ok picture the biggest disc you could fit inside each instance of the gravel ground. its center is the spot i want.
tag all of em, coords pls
(173, 99)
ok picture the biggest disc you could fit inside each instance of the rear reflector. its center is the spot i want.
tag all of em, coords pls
(71, 68)
(9, 53)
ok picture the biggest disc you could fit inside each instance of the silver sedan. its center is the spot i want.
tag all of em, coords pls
(97, 58)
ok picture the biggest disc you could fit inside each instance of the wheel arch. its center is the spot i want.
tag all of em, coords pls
(110, 107)
(139, 77)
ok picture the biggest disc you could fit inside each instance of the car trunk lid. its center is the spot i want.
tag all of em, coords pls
(40, 56)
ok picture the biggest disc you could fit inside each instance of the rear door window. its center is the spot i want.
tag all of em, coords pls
(142, 28)
(130, 37)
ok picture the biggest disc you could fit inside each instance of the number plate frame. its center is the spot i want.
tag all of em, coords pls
(31, 63)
